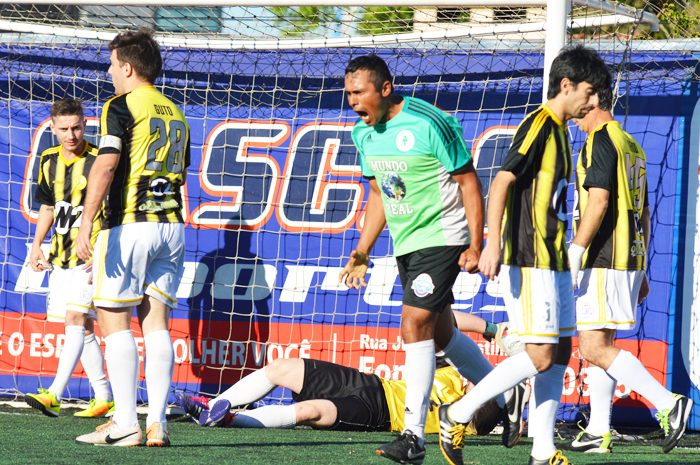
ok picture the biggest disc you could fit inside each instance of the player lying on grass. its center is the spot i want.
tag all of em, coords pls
(331, 396)
(63, 174)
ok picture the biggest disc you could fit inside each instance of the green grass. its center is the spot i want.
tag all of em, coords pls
(27, 437)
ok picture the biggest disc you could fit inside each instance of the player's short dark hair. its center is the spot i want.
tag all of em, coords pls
(67, 106)
(605, 99)
(141, 51)
(578, 64)
(378, 70)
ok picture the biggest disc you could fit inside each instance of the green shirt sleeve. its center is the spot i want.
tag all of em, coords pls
(449, 145)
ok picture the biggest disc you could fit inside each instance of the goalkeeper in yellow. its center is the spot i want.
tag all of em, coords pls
(335, 397)
(61, 192)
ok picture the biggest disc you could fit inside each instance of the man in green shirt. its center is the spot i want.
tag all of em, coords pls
(424, 186)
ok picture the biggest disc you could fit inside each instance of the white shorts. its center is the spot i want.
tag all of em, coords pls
(69, 290)
(540, 303)
(136, 259)
(607, 299)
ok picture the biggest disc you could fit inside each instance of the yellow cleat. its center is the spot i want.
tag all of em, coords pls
(97, 408)
(45, 401)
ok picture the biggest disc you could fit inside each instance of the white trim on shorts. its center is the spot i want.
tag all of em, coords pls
(156, 254)
(540, 303)
(607, 299)
(69, 290)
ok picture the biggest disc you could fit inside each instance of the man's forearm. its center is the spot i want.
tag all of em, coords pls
(646, 227)
(497, 205)
(375, 220)
(592, 217)
(98, 182)
(43, 225)
(473, 199)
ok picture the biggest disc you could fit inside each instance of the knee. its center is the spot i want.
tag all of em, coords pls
(307, 414)
(591, 353)
(74, 319)
(415, 328)
(542, 357)
(543, 364)
(276, 370)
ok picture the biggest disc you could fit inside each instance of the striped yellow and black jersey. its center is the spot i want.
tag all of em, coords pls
(448, 387)
(153, 139)
(63, 185)
(535, 222)
(612, 160)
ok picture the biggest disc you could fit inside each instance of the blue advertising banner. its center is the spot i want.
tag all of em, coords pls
(275, 198)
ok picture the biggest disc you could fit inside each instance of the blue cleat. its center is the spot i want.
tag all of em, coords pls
(218, 415)
(192, 405)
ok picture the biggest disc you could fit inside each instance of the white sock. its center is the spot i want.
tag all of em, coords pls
(159, 360)
(468, 360)
(271, 416)
(249, 389)
(94, 365)
(548, 386)
(601, 391)
(531, 405)
(122, 358)
(72, 349)
(505, 376)
(419, 374)
(626, 369)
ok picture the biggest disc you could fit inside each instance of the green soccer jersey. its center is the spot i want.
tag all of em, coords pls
(412, 157)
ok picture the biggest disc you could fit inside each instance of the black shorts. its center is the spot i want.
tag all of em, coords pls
(427, 276)
(358, 397)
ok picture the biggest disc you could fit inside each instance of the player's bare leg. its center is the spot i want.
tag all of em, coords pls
(122, 359)
(159, 362)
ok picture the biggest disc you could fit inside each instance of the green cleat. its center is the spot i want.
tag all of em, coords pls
(46, 401)
(97, 408)
(674, 421)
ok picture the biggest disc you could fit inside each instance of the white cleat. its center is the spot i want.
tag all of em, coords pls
(157, 436)
(110, 434)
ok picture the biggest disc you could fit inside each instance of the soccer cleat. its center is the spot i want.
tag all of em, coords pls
(513, 415)
(451, 436)
(110, 434)
(97, 408)
(46, 401)
(404, 449)
(674, 421)
(556, 459)
(218, 415)
(586, 442)
(157, 435)
(509, 344)
(192, 405)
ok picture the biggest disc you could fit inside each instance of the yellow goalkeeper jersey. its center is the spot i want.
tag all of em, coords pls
(447, 387)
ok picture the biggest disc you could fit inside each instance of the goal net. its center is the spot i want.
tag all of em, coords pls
(275, 196)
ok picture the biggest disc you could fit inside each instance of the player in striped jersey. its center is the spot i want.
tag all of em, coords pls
(610, 247)
(527, 205)
(63, 173)
(424, 186)
(138, 258)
